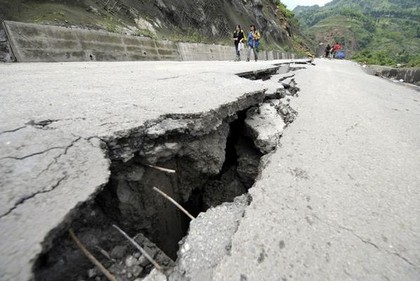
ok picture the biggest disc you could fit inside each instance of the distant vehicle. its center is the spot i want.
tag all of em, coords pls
(340, 55)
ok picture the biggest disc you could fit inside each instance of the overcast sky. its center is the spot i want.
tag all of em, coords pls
(291, 4)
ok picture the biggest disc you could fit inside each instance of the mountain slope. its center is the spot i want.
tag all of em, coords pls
(375, 31)
(188, 20)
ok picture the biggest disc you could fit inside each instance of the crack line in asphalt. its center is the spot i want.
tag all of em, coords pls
(58, 156)
(169, 78)
(367, 241)
(12, 130)
(23, 200)
(32, 154)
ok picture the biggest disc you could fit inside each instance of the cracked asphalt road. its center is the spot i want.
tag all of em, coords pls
(54, 118)
(340, 198)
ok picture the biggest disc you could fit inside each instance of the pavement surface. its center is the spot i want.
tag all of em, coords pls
(54, 117)
(340, 198)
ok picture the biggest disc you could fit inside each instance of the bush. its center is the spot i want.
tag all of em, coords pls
(376, 58)
(283, 9)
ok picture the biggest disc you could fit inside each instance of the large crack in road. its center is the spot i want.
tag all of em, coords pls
(216, 157)
(215, 154)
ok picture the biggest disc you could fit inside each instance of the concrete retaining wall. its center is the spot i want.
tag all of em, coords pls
(45, 43)
(197, 51)
(36, 43)
(408, 75)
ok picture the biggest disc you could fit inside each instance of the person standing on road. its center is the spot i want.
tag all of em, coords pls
(327, 51)
(238, 38)
(336, 48)
(253, 42)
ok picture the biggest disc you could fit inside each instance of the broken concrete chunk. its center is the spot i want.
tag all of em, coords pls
(118, 251)
(155, 275)
(143, 261)
(208, 241)
(131, 261)
(136, 270)
(265, 126)
(92, 272)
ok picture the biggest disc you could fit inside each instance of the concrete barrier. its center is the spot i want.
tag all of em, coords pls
(46, 43)
(409, 75)
(198, 51)
(40, 43)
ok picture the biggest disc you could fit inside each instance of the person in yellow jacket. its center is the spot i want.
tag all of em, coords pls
(253, 42)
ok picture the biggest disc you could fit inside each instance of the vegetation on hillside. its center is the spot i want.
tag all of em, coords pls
(384, 32)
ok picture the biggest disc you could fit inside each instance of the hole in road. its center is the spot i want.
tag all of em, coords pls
(210, 170)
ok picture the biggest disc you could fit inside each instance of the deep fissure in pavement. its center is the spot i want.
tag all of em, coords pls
(216, 157)
(210, 169)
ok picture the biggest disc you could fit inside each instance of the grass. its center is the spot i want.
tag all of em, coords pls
(56, 13)
(50, 12)
(145, 32)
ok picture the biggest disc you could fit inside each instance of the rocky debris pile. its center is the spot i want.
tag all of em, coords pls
(109, 247)
(127, 264)
(133, 266)
(286, 111)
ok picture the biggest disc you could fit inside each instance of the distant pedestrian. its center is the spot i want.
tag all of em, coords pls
(327, 51)
(238, 38)
(336, 48)
(253, 42)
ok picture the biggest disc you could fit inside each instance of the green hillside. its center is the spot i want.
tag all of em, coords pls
(385, 32)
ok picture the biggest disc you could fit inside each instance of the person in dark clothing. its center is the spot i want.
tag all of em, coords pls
(327, 51)
(238, 38)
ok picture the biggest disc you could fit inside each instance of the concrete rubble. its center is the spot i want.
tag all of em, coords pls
(79, 142)
(265, 126)
(208, 241)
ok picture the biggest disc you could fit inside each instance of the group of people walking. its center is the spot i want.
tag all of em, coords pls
(331, 51)
(252, 41)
